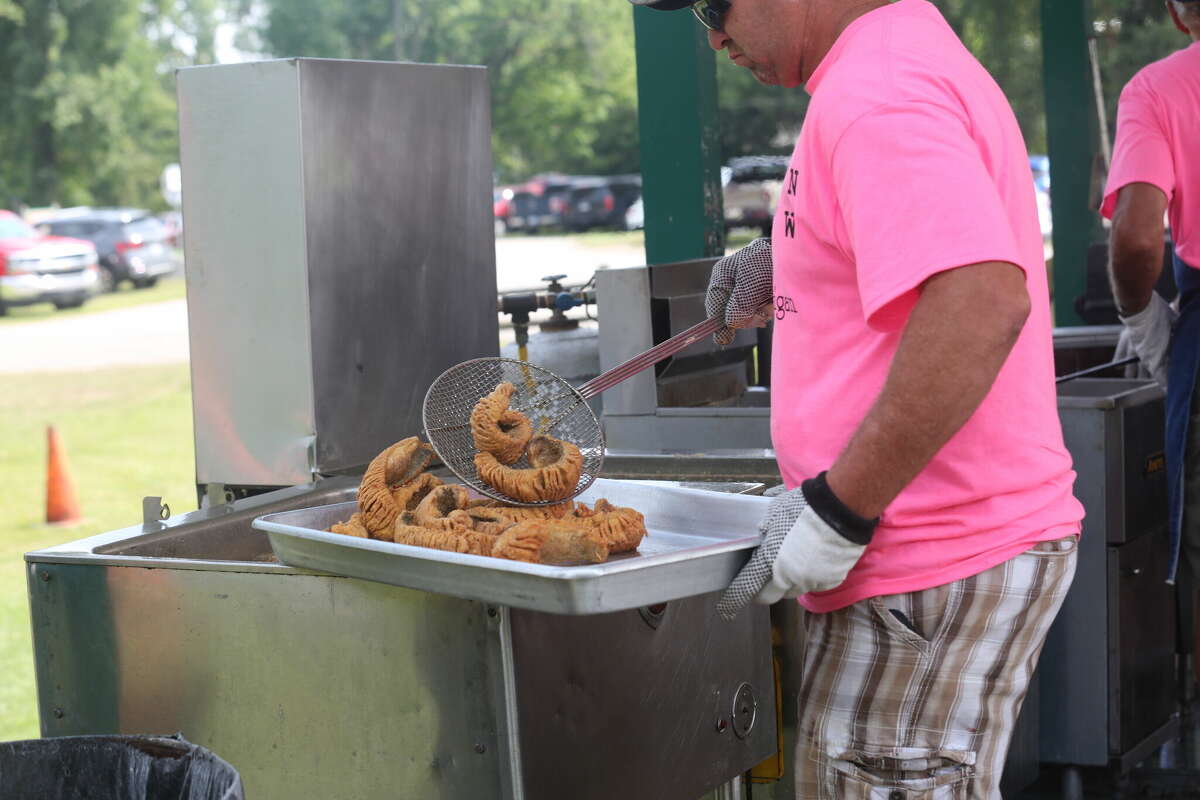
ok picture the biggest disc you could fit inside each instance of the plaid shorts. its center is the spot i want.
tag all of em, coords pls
(915, 695)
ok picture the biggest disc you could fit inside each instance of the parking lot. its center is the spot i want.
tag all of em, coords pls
(156, 333)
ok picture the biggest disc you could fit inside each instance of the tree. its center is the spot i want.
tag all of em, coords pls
(756, 119)
(88, 97)
(1130, 34)
(562, 76)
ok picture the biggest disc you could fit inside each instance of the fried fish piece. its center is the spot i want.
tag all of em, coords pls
(459, 520)
(455, 541)
(351, 527)
(484, 524)
(438, 504)
(408, 496)
(551, 541)
(456, 520)
(621, 528)
(400, 464)
(546, 451)
(497, 511)
(556, 471)
(499, 430)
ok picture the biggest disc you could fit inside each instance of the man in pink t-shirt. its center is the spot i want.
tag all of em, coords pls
(929, 526)
(1156, 171)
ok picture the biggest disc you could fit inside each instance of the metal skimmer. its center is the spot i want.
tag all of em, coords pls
(554, 406)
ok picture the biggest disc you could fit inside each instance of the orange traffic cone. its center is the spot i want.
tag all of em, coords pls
(62, 507)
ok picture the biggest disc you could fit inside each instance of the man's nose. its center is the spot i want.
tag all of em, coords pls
(717, 40)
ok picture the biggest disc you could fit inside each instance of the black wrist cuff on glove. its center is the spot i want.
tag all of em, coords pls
(835, 513)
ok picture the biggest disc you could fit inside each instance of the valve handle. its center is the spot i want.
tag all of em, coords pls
(564, 301)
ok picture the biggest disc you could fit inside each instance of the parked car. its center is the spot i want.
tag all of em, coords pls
(751, 186)
(502, 207)
(173, 220)
(36, 268)
(635, 216)
(601, 202)
(539, 203)
(133, 244)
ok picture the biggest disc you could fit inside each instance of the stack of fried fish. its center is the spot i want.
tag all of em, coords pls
(503, 435)
(398, 501)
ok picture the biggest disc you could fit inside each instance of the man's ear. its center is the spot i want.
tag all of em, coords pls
(1174, 12)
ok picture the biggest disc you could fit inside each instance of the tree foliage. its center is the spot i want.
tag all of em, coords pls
(88, 91)
(1130, 34)
(561, 74)
(88, 97)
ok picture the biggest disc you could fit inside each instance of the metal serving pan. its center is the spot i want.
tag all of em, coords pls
(697, 542)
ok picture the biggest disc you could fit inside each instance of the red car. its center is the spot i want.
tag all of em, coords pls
(502, 206)
(35, 268)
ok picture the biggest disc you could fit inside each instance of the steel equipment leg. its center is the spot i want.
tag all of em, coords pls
(1072, 783)
(730, 791)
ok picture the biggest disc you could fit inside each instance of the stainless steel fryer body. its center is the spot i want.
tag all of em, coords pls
(319, 686)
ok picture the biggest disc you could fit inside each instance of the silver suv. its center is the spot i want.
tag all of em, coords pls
(133, 244)
(751, 187)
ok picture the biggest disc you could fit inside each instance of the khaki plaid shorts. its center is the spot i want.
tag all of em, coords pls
(914, 696)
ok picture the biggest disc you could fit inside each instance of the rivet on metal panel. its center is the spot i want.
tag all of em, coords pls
(745, 710)
(722, 725)
(480, 747)
(491, 612)
(45, 576)
(58, 713)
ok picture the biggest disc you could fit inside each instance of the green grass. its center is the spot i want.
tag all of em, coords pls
(168, 288)
(127, 433)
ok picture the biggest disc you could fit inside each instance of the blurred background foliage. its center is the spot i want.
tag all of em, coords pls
(88, 107)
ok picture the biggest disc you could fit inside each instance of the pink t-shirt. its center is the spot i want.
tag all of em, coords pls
(910, 162)
(1158, 122)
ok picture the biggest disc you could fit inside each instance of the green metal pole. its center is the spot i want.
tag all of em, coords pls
(1072, 131)
(679, 137)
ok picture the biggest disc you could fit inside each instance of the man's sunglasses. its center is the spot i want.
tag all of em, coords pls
(711, 13)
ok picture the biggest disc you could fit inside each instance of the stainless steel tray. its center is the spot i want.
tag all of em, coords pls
(697, 542)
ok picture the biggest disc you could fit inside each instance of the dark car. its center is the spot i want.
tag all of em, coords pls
(601, 202)
(133, 245)
(539, 203)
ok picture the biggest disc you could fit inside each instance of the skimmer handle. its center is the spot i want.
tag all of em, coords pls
(651, 357)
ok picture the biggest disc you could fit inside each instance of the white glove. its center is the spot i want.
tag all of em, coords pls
(1150, 333)
(740, 284)
(813, 558)
(803, 549)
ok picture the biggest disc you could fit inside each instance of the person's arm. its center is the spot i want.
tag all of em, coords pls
(961, 329)
(1136, 245)
(957, 338)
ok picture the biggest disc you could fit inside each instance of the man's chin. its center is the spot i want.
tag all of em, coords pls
(765, 77)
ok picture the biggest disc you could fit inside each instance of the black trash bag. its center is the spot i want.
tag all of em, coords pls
(114, 768)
